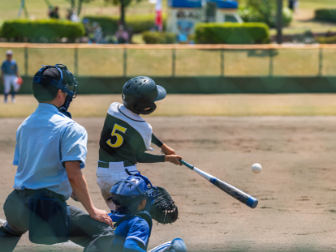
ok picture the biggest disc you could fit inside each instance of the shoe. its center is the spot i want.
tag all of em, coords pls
(177, 245)
(5, 102)
(13, 100)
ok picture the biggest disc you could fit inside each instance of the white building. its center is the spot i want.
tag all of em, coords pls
(183, 15)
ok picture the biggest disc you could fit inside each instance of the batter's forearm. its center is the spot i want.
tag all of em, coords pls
(156, 141)
(150, 158)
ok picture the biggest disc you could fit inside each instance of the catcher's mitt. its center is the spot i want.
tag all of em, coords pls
(163, 209)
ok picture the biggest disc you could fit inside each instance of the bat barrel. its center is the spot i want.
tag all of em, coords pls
(252, 202)
(236, 193)
(229, 189)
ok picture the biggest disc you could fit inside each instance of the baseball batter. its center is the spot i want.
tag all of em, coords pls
(133, 196)
(126, 137)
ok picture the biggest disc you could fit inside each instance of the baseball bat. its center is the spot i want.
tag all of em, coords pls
(229, 189)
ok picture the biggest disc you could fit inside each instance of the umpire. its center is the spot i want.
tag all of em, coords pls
(50, 152)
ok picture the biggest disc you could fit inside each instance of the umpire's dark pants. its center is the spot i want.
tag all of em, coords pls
(93, 235)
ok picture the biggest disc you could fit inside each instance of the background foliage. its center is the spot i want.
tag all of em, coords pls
(51, 30)
(232, 33)
(264, 11)
(328, 15)
(159, 37)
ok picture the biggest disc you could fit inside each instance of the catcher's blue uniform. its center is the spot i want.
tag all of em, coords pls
(133, 225)
(132, 235)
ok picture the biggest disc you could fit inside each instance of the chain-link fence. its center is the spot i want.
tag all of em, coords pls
(177, 60)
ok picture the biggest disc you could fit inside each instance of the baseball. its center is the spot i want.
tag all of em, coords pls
(256, 168)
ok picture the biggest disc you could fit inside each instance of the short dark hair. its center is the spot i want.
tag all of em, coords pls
(44, 92)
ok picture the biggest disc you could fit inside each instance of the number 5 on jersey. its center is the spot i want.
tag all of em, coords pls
(120, 139)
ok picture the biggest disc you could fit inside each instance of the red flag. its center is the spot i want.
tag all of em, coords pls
(158, 15)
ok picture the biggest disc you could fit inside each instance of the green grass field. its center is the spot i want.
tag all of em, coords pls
(189, 62)
(196, 105)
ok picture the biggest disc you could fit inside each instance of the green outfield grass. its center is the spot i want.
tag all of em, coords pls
(109, 62)
(196, 105)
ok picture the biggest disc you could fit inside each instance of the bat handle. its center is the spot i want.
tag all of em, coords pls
(190, 166)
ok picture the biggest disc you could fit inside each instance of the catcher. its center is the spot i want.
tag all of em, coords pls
(133, 196)
(126, 137)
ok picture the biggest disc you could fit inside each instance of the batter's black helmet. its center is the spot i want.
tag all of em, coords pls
(140, 93)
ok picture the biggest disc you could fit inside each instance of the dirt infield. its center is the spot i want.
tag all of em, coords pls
(296, 189)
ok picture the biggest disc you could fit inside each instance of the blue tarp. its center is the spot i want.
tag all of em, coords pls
(185, 3)
(221, 4)
(226, 4)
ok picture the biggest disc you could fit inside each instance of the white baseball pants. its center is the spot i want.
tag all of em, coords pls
(107, 177)
(10, 80)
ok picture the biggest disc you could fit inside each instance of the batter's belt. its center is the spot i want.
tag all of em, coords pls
(106, 165)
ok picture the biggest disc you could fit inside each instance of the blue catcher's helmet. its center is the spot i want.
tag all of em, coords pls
(131, 190)
(67, 83)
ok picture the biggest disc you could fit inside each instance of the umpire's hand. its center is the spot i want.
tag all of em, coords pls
(102, 216)
(80, 189)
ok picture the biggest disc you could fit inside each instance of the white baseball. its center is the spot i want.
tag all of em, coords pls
(256, 168)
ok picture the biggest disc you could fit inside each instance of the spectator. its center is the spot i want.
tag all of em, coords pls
(10, 76)
(74, 17)
(86, 23)
(296, 6)
(54, 13)
(122, 35)
(293, 5)
(184, 28)
(69, 14)
(98, 33)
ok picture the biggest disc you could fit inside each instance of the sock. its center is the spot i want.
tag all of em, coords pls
(13, 94)
(6, 95)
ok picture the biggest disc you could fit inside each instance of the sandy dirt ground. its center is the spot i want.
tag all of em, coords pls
(296, 189)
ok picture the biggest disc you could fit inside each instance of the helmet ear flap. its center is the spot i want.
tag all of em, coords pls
(147, 109)
(130, 106)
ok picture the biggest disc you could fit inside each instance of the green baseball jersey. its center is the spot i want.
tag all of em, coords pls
(127, 137)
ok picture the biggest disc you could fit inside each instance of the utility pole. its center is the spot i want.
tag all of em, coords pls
(279, 21)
